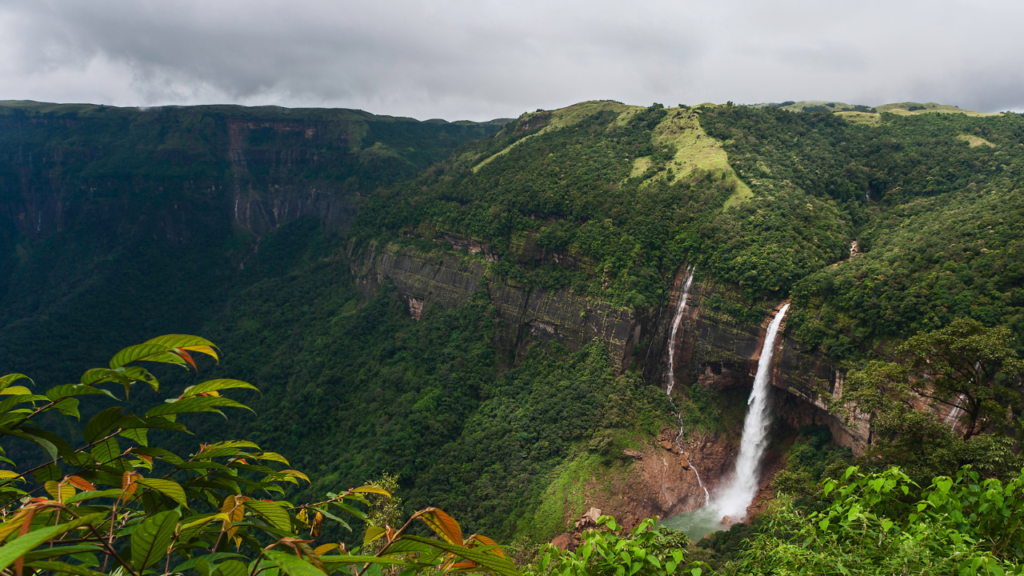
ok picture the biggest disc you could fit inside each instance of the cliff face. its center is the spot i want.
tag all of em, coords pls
(716, 348)
(449, 278)
(267, 187)
(68, 165)
(713, 347)
(130, 222)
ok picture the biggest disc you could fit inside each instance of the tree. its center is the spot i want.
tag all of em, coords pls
(969, 368)
(646, 551)
(119, 503)
(965, 366)
(885, 523)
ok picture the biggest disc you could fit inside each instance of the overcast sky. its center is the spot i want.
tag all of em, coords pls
(482, 59)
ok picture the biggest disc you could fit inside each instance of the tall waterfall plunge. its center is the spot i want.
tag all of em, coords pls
(677, 320)
(734, 499)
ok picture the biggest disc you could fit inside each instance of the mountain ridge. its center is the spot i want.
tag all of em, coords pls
(483, 309)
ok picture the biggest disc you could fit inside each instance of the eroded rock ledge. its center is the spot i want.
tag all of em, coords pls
(450, 279)
(714, 348)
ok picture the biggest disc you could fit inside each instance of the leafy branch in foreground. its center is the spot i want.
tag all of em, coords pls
(118, 504)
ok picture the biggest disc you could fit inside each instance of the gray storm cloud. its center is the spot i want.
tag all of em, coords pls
(482, 59)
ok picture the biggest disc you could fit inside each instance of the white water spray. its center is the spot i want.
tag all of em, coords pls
(737, 496)
(679, 444)
(676, 322)
(955, 413)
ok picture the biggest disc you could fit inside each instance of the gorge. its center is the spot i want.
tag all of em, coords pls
(491, 310)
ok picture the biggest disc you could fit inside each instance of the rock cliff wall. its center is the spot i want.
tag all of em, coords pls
(714, 347)
(63, 166)
(719, 349)
(450, 278)
(267, 187)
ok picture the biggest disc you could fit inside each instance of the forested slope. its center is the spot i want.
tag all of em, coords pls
(935, 200)
(263, 229)
(121, 222)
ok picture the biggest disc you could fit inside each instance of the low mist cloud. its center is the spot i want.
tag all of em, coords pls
(483, 59)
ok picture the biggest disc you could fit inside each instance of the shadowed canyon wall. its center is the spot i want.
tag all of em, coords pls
(715, 348)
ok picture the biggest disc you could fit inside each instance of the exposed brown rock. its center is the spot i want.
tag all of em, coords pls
(633, 454)
(415, 308)
(588, 520)
(563, 541)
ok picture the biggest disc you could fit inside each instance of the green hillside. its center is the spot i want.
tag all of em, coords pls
(128, 219)
(482, 308)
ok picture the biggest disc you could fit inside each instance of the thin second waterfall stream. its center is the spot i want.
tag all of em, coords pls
(677, 320)
(733, 499)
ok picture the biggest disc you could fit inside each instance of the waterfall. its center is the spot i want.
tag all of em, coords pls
(737, 496)
(679, 444)
(676, 322)
(954, 414)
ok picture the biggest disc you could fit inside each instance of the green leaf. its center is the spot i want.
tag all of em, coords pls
(112, 493)
(292, 565)
(409, 547)
(145, 353)
(353, 511)
(70, 390)
(68, 407)
(345, 560)
(333, 517)
(231, 568)
(106, 451)
(273, 513)
(101, 423)
(7, 404)
(229, 448)
(44, 553)
(195, 405)
(46, 445)
(47, 473)
(202, 465)
(61, 567)
(23, 544)
(189, 564)
(185, 341)
(273, 457)
(216, 385)
(203, 566)
(157, 422)
(103, 375)
(168, 488)
(95, 376)
(139, 435)
(165, 455)
(151, 539)
(373, 533)
(492, 562)
(137, 373)
(9, 379)
(63, 448)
